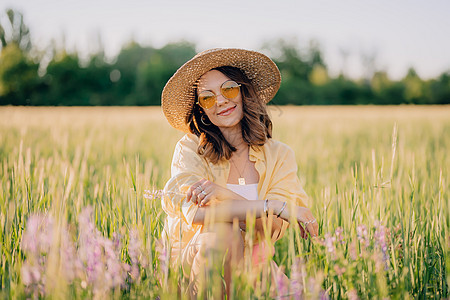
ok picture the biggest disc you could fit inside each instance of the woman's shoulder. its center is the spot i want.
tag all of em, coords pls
(188, 140)
(185, 156)
(275, 147)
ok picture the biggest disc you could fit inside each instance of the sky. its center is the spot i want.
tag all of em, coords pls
(398, 33)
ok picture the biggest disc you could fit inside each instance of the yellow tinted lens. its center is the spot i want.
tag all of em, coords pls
(206, 99)
(230, 89)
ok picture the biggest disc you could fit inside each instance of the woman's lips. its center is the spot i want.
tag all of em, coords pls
(227, 111)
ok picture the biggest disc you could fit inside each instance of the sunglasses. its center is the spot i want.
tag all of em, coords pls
(229, 90)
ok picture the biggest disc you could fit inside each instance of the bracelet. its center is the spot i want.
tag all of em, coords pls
(266, 208)
(282, 208)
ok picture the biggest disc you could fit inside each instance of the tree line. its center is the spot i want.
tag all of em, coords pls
(29, 76)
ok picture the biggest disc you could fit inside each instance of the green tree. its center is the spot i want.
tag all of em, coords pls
(98, 82)
(125, 69)
(385, 90)
(155, 72)
(297, 71)
(414, 91)
(66, 81)
(19, 80)
(440, 89)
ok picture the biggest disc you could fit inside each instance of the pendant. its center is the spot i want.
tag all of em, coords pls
(241, 181)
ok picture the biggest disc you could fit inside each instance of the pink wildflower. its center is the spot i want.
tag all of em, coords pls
(281, 282)
(134, 251)
(99, 255)
(297, 276)
(339, 235)
(352, 250)
(315, 286)
(163, 258)
(380, 242)
(329, 244)
(36, 242)
(363, 235)
(352, 294)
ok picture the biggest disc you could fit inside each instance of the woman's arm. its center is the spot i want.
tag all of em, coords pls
(228, 210)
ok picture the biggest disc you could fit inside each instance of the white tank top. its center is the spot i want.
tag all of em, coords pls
(248, 191)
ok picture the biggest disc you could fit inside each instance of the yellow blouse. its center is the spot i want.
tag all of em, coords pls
(278, 180)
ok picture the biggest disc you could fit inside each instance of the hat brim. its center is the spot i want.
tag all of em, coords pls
(178, 96)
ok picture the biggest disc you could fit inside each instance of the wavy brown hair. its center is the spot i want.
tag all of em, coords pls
(256, 124)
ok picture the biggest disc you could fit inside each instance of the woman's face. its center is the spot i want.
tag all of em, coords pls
(225, 113)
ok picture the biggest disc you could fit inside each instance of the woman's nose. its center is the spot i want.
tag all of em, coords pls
(221, 100)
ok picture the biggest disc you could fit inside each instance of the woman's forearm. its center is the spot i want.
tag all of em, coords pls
(227, 211)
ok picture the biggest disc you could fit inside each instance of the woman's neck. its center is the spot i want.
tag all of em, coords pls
(233, 136)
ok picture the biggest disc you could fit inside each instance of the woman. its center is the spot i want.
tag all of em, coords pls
(227, 166)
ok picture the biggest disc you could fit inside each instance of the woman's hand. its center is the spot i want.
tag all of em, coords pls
(204, 191)
(306, 220)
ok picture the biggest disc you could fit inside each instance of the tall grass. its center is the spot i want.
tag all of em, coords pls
(76, 220)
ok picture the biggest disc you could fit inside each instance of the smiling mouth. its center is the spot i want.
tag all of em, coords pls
(227, 111)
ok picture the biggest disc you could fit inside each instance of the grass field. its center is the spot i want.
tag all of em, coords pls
(77, 222)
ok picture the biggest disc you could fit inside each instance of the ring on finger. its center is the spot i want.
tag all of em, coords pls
(310, 222)
(203, 192)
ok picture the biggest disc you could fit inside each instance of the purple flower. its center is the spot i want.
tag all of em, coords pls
(117, 241)
(134, 251)
(297, 276)
(315, 286)
(329, 244)
(36, 242)
(38, 236)
(352, 250)
(339, 235)
(352, 294)
(380, 242)
(163, 257)
(100, 256)
(95, 261)
(73, 266)
(30, 274)
(339, 270)
(282, 283)
(363, 235)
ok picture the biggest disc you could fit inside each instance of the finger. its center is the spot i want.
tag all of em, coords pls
(193, 187)
(198, 191)
(188, 194)
(204, 183)
(316, 229)
(195, 196)
(190, 191)
(312, 229)
(201, 196)
(205, 200)
(303, 233)
(199, 186)
(201, 182)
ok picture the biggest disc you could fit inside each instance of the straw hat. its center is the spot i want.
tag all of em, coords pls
(177, 97)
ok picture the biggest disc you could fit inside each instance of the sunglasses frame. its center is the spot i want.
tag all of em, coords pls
(215, 95)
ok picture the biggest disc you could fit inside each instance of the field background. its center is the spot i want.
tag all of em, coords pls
(383, 168)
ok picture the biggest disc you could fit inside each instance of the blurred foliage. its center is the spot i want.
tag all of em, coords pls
(138, 74)
(14, 31)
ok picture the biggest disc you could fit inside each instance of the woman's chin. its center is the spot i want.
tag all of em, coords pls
(228, 124)
(228, 121)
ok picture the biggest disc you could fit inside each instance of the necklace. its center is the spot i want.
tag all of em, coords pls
(241, 179)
